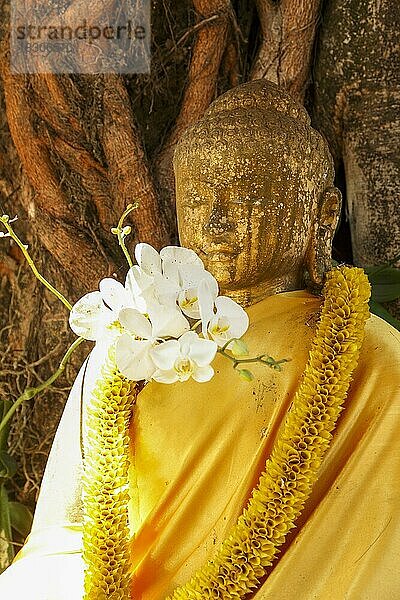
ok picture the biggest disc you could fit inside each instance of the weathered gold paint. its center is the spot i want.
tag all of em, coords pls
(255, 195)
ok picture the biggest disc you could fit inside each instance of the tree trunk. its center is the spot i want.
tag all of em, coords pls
(357, 106)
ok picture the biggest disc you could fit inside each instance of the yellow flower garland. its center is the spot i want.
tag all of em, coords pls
(105, 487)
(243, 559)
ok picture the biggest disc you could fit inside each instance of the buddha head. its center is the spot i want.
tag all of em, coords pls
(254, 192)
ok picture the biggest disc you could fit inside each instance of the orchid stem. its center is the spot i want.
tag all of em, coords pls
(263, 359)
(121, 232)
(5, 219)
(30, 393)
(224, 347)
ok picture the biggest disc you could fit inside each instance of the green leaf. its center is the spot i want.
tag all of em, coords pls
(6, 547)
(8, 466)
(385, 293)
(385, 283)
(381, 311)
(20, 517)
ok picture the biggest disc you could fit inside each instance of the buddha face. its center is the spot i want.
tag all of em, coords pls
(247, 214)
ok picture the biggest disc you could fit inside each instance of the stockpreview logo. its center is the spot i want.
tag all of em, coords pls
(55, 37)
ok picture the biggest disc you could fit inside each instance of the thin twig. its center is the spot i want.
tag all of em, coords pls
(31, 392)
(190, 31)
(5, 220)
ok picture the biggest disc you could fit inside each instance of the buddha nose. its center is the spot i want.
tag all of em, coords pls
(218, 222)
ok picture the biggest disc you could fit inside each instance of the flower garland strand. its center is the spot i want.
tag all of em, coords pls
(105, 486)
(242, 561)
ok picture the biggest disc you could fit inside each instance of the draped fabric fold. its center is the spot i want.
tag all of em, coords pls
(197, 451)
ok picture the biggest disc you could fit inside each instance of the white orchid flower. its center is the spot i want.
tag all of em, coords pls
(142, 315)
(133, 356)
(178, 360)
(190, 281)
(140, 277)
(92, 315)
(168, 277)
(229, 322)
(147, 282)
(141, 287)
(146, 289)
(89, 316)
(178, 256)
(132, 351)
(206, 300)
(183, 271)
(148, 259)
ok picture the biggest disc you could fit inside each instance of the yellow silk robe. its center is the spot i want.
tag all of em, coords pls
(197, 451)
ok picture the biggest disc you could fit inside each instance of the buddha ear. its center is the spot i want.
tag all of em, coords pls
(319, 254)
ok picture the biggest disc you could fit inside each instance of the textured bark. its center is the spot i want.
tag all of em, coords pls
(50, 209)
(128, 170)
(207, 54)
(65, 153)
(357, 106)
(288, 30)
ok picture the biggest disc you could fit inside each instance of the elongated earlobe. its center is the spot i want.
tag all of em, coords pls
(319, 255)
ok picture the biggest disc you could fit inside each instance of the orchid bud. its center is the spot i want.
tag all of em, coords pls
(238, 348)
(246, 374)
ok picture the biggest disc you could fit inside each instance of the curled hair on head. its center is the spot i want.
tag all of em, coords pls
(262, 94)
(262, 115)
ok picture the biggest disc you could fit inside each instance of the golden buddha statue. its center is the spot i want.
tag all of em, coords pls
(255, 195)
(256, 201)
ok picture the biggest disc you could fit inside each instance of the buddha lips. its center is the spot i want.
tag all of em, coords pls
(242, 561)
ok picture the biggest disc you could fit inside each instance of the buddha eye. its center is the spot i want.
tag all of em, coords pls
(195, 200)
(248, 201)
(241, 200)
